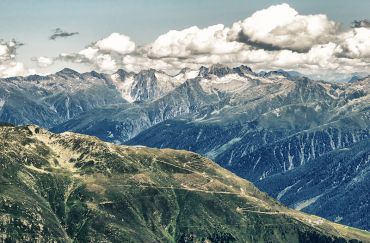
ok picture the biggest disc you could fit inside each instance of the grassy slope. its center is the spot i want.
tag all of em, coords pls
(76, 188)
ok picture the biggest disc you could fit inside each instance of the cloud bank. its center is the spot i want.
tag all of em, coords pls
(277, 37)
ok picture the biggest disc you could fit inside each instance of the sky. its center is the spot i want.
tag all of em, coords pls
(27, 28)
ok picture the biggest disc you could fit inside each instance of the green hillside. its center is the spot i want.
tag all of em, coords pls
(75, 188)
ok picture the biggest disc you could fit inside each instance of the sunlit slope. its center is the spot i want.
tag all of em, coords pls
(70, 187)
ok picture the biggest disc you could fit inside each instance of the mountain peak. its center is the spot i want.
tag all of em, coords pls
(281, 72)
(357, 79)
(36, 77)
(121, 72)
(243, 69)
(95, 74)
(68, 72)
(217, 69)
(147, 73)
(220, 70)
(184, 70)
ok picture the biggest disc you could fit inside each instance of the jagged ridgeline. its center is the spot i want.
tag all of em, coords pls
(305, 142)
(75, 188)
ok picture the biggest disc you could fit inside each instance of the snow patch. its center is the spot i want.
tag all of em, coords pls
(214, 153)
(2, 103)
(304, 204)
(181, 77)
(110, 134)
(199, 135)
(283, 192)
(338, 219)
(230, 83)
(125, 87)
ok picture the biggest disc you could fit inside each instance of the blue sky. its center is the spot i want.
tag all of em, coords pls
(32, 21)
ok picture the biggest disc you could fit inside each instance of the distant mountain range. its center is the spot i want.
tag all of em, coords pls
(304, 142)
(75, 188)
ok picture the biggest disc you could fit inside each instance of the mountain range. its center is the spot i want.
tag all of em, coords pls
(303, 141)
(75, 188)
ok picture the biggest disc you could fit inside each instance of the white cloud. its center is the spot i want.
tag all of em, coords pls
(8, 64)
(138, 62)
(7, 50)
(116, 42)
(3, 50)
(12, 69)
(273, 38)
(106, 63)
(105, 55)
(192, 41)
(44, 61)
(282, 27)
(89, 52)
(356, 43)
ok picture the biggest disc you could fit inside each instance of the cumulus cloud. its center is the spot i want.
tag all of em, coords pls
(141, 62)
(44, 62)
(272, 38)
(105, 54)
(8, 50)
(193, 41)
(59, 33)
(8, 64)
(106, 63)
(356, 43)
(89, 53)
(12, 69)
(281, 27)
(116, 43)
